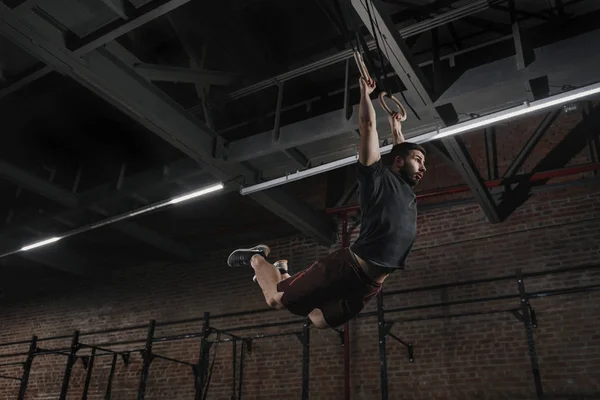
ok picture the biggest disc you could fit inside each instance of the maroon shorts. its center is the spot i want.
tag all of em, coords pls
(336, 285)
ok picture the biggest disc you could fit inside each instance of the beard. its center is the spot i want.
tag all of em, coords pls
(409, 177)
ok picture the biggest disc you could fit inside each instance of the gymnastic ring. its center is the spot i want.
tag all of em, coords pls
(362, 68)
(401, 110)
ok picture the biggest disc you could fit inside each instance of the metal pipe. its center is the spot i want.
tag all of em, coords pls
(347, 324)
(27, 368)
(536, 177)
(233, 366)
(111, 375)
(71, 358)
(88, 375)
(173, 360)
(382, 347)
(305, 357)
(495, 279)
(269, 325)
(241, 370)
(529, 334)
(147, 357)
(202, 365)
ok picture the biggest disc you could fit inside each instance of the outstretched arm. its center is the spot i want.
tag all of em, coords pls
(368, 152)
(396, 127)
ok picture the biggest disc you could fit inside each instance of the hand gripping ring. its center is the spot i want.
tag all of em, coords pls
(401, 111)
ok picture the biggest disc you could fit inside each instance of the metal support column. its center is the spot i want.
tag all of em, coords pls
(71, 358)
(305, 357)
(27, 368)
(347, 324)
(244, 348)
(88, 375)
(382, 350)
(111, 374)
(525, 309)
(201, 367)
(147, 357)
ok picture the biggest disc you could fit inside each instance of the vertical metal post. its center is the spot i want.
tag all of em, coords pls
(27, 367)
(241, 370)
(111, 374)
(382, 350)
(278, 112)
(88, 375)
(347, 105)
(347, 324)
(305, 357)
(71, 358)
(529, 333)
(203, 361)
(233, 368)
(147, 357)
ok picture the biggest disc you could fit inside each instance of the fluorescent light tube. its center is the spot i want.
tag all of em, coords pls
(40, 244)
(487, 120)
(196, 194)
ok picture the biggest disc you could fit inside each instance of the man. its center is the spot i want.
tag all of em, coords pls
(336, 288)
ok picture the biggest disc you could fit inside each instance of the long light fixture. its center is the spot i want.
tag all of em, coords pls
(481, 122)
(40, 244)
(112, 220)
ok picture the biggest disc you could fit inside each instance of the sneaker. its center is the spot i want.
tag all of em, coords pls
(242, 257)
(281, 265)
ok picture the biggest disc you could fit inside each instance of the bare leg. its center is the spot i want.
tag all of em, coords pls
(268, 277)
(317, 318)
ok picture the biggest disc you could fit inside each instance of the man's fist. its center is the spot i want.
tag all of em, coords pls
(367, 87)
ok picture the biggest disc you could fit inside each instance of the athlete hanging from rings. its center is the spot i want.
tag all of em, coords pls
(334, 289)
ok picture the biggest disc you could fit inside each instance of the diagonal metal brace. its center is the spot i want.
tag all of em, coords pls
(468, 171)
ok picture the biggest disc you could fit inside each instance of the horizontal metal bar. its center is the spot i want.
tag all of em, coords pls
(99, 348)
(12, 364)
(173, 360)
(226, 333)
(494, 279)
(177, 337)
(458, 315)
(9, 377)
(9, 355)
(15, 343)
(556, 292)
(248, 327)
(256, 337)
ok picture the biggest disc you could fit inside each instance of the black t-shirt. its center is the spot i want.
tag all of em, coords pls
(389, 217)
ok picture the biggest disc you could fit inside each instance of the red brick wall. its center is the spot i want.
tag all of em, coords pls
(476, 357)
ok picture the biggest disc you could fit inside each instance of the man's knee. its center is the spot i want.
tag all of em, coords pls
(318, 320)
(274, 300)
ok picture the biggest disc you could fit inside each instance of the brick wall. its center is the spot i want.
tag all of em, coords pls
(471, 357)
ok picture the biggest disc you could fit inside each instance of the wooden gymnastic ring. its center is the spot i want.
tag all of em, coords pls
(401, 111)
(362, 68)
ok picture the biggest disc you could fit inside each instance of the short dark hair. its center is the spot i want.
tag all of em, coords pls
(403, 149)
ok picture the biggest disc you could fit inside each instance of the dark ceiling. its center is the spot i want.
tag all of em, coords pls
(81, 144)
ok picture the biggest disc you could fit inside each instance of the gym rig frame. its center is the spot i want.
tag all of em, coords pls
(202, 370)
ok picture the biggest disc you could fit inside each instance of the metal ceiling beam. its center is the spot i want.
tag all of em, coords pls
(154, 72)
(123, 8)
(147, 13)
(37, 185)
(381, 27)
(70, 200)
(533, 140)
(142, 182)
(468, 170)
(113, 80)
(481, 90)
